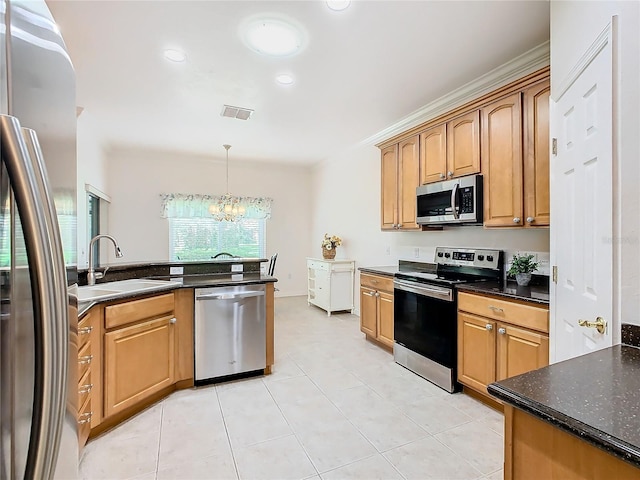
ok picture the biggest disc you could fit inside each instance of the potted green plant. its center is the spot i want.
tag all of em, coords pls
(522, 266)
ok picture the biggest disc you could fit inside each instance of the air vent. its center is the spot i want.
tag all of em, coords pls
(236, 112)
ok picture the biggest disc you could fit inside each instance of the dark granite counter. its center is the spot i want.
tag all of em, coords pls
(388, 271)
(594, 397)
(534, 293)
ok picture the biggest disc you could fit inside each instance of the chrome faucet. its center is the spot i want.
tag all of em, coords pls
(92, 275)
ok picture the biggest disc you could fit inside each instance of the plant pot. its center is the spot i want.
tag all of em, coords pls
(329, 254)
(523, 279)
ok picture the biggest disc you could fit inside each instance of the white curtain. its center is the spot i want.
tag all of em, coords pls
(179, 205)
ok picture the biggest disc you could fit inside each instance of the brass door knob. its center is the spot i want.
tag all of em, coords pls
(600, 324)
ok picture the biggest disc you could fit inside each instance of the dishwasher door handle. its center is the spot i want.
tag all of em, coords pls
(230, 296)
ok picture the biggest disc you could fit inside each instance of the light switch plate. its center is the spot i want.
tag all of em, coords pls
(236, 268)
(176, 270)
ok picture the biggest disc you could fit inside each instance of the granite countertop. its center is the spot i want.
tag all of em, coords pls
(188, 281)
(594, 396)
(534, 293)
(388, 271)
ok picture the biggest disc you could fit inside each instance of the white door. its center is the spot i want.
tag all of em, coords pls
(582, 209)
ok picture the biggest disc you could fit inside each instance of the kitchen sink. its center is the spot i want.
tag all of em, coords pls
(112, 290)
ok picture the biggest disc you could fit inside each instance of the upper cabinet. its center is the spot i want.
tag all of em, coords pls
(400, 178)
(502, 162)
(536, 155)
(451, 150)
(504, 135)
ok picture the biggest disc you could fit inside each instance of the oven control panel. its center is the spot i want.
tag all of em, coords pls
(469, 257)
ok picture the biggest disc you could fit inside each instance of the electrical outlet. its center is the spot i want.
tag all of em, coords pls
(416, 252)
(237, 267)
(176, 270)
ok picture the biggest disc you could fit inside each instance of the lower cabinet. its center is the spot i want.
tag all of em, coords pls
(496, 341)
(89, 375)
(376, 308)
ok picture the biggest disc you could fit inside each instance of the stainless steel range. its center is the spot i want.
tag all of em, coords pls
(425, 309)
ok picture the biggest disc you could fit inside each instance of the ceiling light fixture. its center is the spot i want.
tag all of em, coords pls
(338, 5)
(174, 55)
(273, 36)
(284, 79)
(228, 209)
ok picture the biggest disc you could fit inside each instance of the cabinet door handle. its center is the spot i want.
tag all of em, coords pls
(85, 330)
(495, 309)
(85, 418)
(85, 388)
(502, 331)
(488, 326)
(442, 175)
(85, 360)
(173, 320)
(450, 174)
(530, 219)
(516, 219)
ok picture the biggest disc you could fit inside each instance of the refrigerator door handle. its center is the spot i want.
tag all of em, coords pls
(50, 309)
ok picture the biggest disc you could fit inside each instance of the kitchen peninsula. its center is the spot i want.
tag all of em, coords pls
(137, 346)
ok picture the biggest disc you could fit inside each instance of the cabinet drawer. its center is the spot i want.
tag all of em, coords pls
(316, 265)
(85, 327)
(376, 282)
(85, 357)
(528, 316)
(85, 385)
(129, 312)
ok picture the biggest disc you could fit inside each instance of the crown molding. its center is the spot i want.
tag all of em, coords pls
(530, 61)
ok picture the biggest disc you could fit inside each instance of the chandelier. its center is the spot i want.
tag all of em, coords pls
(228, 208)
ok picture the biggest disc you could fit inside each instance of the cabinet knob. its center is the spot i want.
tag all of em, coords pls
(85, 330)
(488, 326)
(502, 331)
(85, 360)
(495, 309)
(173, 320)
(85, 388)
(450, 174)
(530, 219)
(516, 219)
(442, 175)
(377, 294)
(85, 418)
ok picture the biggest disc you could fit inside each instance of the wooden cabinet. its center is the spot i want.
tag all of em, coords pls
(498, 339)
(536, 155)
(376, 308)
(515, 159)
(502, 162)
(535, 449)
(400, 178)
(433, 154)
(89, 375)
(330, 284)
(139, 358)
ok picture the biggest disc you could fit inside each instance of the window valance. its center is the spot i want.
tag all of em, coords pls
(179, 205)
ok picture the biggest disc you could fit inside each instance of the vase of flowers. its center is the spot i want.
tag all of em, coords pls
(522, 266)
(329, 246)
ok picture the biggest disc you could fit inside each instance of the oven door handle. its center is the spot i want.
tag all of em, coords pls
(454, 197)
(433, 292)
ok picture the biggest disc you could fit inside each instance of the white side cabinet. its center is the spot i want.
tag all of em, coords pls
(330, 284)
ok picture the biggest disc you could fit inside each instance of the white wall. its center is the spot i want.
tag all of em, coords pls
(91, 170)
(136, 179)
(574, 26)
(346, 192)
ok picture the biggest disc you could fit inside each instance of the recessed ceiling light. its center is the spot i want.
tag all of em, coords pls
(284, 79)
(338, 5)
(273, 36)
(174, 55)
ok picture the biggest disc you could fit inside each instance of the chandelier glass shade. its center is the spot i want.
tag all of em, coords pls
(228, 208)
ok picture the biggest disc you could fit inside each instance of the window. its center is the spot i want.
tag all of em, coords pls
(200, 238)
(93, 225)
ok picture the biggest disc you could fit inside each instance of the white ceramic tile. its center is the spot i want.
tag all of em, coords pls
(245, 399)
(293, 389)
(146, 422)
(246, 430)
(476, 443)
(111, 457)
(435, 414)
(469, 405)
(351, 401)
(285, 368)
(429, 459)
(495, 421)
(280, 459)
(335, 445)
(495, 476)
(311, 414)
(146, 476)
(387, 429)
(216, 467)
(375, 467)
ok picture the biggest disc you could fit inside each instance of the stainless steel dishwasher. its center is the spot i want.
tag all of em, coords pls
(230, 331)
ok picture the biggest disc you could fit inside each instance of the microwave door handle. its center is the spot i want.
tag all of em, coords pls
(454, 198)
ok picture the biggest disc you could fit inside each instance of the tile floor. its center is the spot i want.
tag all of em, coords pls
(336, 407)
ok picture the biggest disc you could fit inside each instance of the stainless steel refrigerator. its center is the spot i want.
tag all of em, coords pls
(38, 318)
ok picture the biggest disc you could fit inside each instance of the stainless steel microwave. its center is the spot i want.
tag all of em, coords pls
(457, 201)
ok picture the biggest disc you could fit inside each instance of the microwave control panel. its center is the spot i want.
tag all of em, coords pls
(466, 200)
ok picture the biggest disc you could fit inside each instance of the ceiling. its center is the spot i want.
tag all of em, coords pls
(362, 70)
